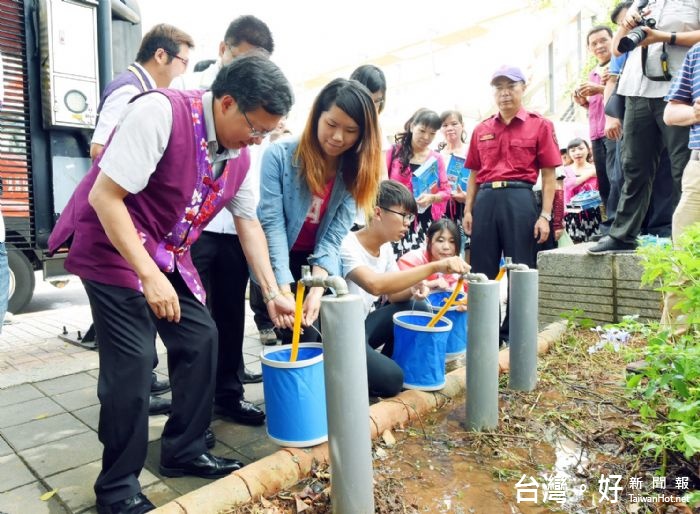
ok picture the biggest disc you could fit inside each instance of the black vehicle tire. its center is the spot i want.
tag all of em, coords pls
(21, 280)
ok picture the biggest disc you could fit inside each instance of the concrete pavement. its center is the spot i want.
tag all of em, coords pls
(49, 451)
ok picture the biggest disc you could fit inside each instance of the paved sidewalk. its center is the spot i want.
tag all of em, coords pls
(49, 414)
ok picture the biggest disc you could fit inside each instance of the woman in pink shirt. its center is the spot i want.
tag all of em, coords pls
(412, 149)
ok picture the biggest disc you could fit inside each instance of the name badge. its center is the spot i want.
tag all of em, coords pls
(487, 137)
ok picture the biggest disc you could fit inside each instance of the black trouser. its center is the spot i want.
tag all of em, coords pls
(384, 376)
(503, 223)
(612, 168)
(550, 243)
(601, 149)
(663, 202)
(126, 328)
(223, 268)
(646, 135)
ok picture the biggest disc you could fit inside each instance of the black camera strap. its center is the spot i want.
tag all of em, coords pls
(664, 65)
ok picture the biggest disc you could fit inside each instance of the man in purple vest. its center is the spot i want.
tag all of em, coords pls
(174, 161)
(162, 56)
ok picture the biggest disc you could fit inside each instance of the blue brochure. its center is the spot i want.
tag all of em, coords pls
(425, 178)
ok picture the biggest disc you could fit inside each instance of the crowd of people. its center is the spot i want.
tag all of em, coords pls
(178, 217)
(645, 154)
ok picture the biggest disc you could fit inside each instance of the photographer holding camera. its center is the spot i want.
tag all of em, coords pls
(657, 35)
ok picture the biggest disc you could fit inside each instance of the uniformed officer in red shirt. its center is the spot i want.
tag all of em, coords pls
(506, 153)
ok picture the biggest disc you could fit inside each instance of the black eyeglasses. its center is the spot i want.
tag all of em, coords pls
(407, 216)
(253, 131)
(182, 59)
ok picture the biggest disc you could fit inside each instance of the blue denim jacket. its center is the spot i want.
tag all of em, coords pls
(284, 201)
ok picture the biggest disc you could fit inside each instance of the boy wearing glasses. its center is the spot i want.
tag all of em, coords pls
(372, 273)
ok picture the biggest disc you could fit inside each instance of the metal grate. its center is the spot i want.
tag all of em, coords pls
(15, 145)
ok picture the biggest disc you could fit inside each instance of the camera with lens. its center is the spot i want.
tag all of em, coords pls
(637, 34)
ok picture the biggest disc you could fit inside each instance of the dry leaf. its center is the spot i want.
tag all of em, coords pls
(265, 502)
(388, 438)
(48, 495)
(301, 506)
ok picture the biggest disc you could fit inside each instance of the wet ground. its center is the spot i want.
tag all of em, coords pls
(565, 447)
(441, 472)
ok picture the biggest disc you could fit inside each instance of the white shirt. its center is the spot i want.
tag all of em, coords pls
(114, 107)
(671, 16)
(140, 141)
(353, 255)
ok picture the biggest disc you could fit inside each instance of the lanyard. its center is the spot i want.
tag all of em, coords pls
(664, 65)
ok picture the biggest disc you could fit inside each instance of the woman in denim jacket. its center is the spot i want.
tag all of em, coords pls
(310, 186)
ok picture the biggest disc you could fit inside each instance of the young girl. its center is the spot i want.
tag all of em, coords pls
(443, 241)
(578, 177)
(412, 149)
(310, 186)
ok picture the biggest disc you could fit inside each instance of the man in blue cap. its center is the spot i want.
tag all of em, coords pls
(506, 153)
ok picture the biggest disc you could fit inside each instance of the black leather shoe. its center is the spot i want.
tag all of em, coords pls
(251, 378)
(204, 466)
(158, 405)
(137, 504)
(159, 386)
(611, 245)
(241, 411)
(209, 438)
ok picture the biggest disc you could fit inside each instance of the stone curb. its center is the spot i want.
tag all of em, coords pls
(287, 466)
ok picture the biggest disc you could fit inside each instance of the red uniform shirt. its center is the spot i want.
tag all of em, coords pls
(513, 152)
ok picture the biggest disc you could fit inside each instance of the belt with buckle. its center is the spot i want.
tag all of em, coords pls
(506, 184)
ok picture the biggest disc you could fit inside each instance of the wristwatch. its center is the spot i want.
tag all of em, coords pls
(270, 295)
(546, 216)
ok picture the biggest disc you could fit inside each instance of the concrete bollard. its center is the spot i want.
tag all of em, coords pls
(524, 293)
(482, 356)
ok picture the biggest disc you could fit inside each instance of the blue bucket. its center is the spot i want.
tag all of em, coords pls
(295, 395)
(419, 350)
(457, 341)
